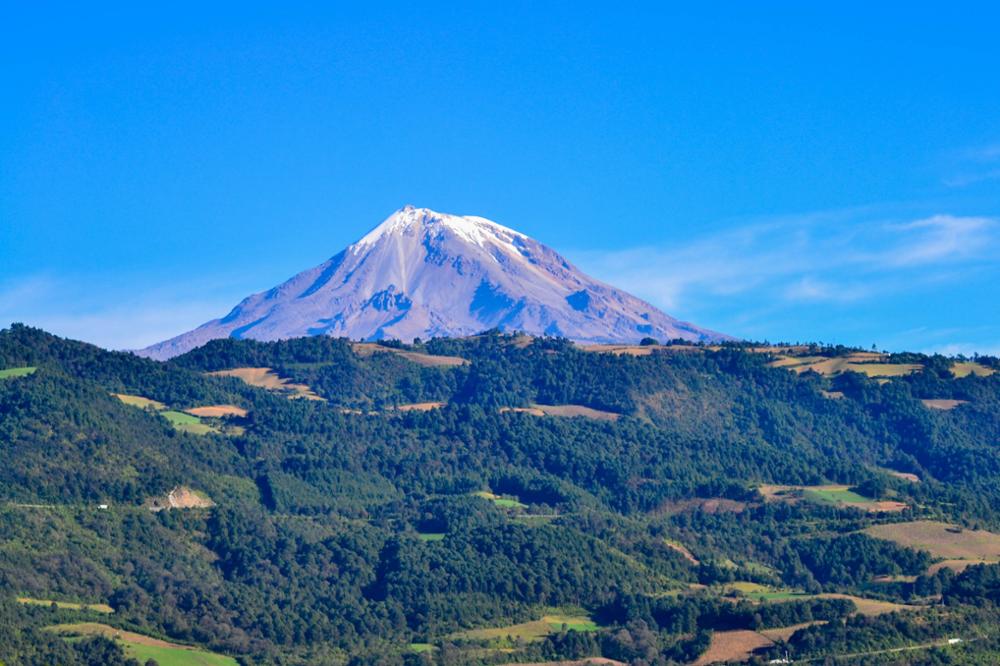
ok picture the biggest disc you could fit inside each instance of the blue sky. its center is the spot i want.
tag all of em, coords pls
(773, 171)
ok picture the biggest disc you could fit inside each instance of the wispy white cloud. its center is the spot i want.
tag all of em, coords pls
(818, 274)
(973, 166)
(941, 238)
(810, 258)
(124, 314)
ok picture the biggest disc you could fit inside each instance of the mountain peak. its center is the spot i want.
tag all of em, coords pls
(409, 218)
(421, 273)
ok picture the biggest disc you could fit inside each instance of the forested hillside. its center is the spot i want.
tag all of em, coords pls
(495, 499)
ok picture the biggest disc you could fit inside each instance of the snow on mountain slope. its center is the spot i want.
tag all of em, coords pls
(426, 274)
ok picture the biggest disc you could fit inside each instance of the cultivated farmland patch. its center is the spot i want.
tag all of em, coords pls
(735, 645)
(140, 402)
(267, 378)
(143, 648)
(217, 411)
(949, 542)
(837, 495)
(966, 368)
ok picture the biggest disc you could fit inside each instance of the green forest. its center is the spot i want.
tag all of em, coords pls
(496, 499)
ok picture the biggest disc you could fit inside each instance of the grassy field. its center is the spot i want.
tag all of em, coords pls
(16, 372)
(430, 536)
(764, 593)
(267, 378)
(966, 368)
(869, 363)
(142, 648)
(531, 631)
(421, 647)
(140, 402)
(758, 592)
(68, 605)
(187, 423)
(837, 495)
(503, 502)
(941, 540)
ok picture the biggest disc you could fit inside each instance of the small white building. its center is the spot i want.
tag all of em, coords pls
(102, 507)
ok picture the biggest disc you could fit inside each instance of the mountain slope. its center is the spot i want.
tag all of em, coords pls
(426, 274)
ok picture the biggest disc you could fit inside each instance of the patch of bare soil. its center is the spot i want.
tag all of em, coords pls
(181, 497)
(217, 411)
(682, 549)
(784, 633)
(420, 406)
(737, 645)
(267, 378)
(943, 403)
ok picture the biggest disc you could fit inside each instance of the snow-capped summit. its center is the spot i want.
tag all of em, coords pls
(474, 229)
(424, 274)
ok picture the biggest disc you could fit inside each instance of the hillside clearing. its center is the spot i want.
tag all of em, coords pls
(682, 549)
(143, 648)
(503, 502)
(68, 605)
(567, 411)
(735, 645)
(427, 360)
(958, 566)
(140, 402)
(181, 497)
(965, 368)
(187, 423)
(217, 411)
(868, 363)
(943, 403)
(638, 350)
(784, 633)
(837, 495)
(419, 406)
(10, 373)
(266, 378)
(942, 540)
(869, 607)
(430, 536)
(906, 476)
(530, 631)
